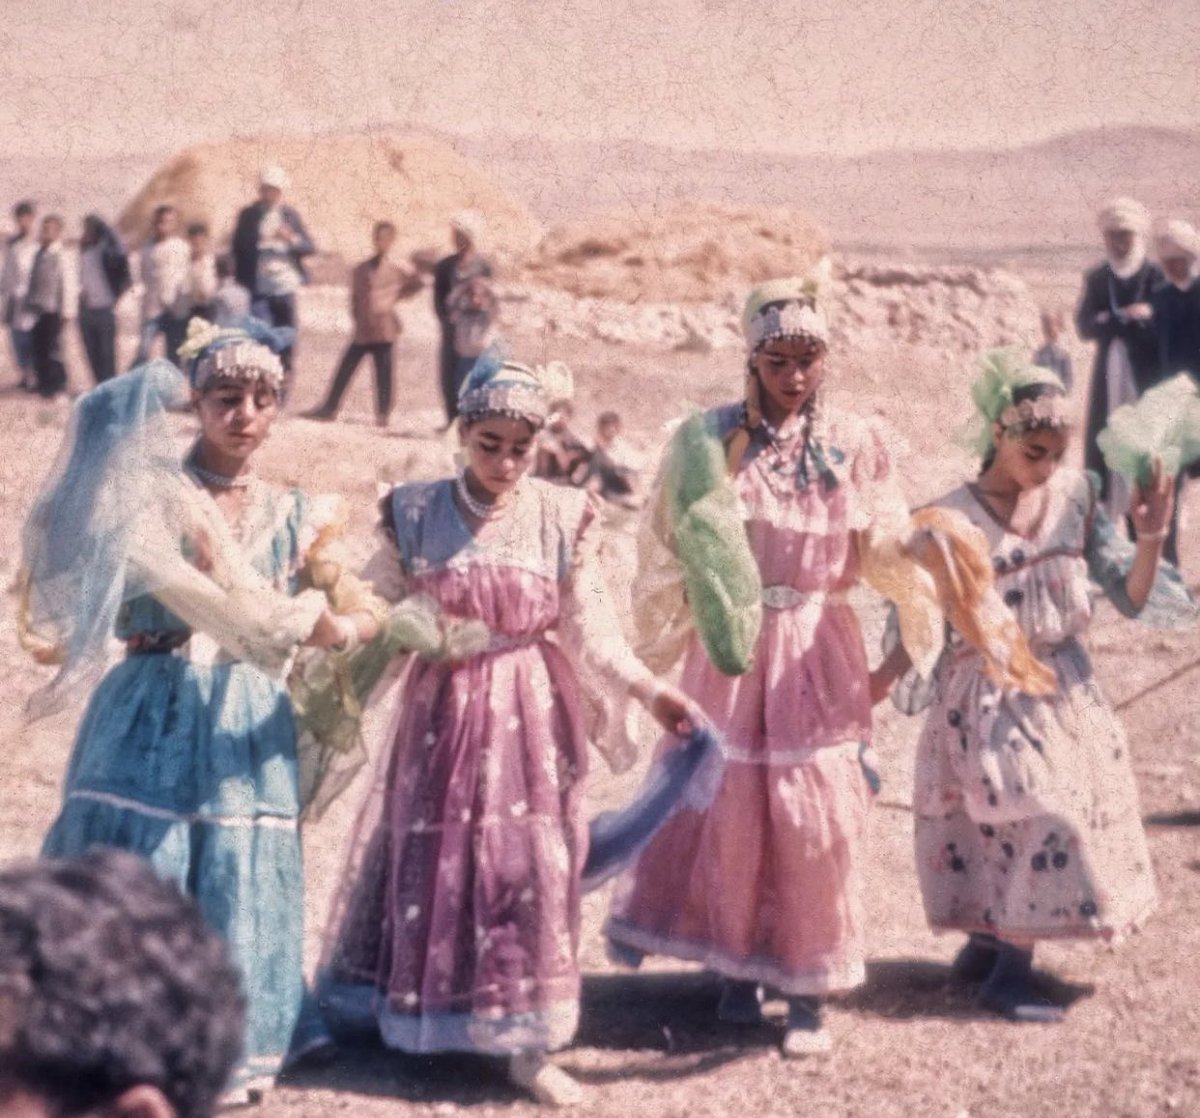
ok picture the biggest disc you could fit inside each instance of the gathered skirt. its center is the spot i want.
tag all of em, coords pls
(459, 930)
(1028, 824)
(765, 884)
(194, 768)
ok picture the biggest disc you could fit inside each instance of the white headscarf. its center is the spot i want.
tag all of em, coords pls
(1179, 238)
(1132, 217)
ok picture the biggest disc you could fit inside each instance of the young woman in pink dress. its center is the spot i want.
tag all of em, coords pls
(764, 886)
(461, 926)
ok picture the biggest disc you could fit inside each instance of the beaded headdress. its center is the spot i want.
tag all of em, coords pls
(497, 386)
(788, 308)
(248, 351)
(782, 308)
(1002, 374)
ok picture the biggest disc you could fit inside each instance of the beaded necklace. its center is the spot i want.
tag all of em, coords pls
(478, 509)
(215, 480)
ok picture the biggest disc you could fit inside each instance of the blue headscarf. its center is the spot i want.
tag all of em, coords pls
(247, 350)
(497, 386)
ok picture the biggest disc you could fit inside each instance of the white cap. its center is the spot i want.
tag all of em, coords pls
(273, 175)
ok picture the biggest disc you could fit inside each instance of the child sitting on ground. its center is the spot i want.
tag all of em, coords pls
(615, 464)
(561, 455)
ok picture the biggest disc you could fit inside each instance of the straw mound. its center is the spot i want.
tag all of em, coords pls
(689, 253)
(341, 185)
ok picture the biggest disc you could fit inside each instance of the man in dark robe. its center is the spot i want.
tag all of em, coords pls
(1176, 303)
(1115, 312)
(463, 264)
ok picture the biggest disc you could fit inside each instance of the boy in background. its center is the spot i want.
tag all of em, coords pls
(231, 301)
(615, 464)
(165, 265)
(1052, 355)
(52, 299)
(201, 287)
(376, 286)
(19, 252)
(561, 455)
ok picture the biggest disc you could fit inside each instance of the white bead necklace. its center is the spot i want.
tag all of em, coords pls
(478, 509)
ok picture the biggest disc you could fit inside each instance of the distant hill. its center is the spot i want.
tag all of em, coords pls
(1040, 196)
(1031, 205)
(342, 184)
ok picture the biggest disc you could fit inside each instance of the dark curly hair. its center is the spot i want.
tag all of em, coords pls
(109, 979)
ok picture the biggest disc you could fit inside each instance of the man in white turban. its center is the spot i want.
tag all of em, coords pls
(1176, 320)
(1115, 312)
(1176, 302)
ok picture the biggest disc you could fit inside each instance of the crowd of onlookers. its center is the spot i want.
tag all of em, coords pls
(44, 285)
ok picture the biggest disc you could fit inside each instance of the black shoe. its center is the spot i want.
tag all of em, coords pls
(977, 959)
(322, 414)
(740, 1003)
(805, 1033)
(1012, 991)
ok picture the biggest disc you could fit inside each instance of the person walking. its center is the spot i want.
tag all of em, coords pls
(377, 285)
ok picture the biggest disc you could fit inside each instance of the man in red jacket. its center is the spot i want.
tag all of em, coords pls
(376, 286)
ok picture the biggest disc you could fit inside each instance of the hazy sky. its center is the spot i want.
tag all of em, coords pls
(830, 75)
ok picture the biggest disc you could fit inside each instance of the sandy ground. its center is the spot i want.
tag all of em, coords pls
(908, 1043)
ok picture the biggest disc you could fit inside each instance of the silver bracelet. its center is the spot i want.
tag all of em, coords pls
(1161, 534)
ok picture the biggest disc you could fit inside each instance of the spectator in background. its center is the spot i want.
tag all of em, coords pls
(1052, 354)
(231, 301)
(103, 278)
(467, 229)
(376, 286)
(1115, 313)
(165, 264)
(19, 252)
(561, 455)
(52, 298)
(1176, 301)
(270, 244)
(471, 310)
(615, 464)
(202, 272)
(115, 999)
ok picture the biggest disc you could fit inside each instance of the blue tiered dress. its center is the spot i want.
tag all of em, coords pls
(188, 757)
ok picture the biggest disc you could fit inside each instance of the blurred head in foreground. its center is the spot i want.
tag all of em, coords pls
(115, 998)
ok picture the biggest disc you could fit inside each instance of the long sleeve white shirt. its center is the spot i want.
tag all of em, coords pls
(165, 267)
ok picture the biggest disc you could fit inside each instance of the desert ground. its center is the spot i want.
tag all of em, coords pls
(909, 1042)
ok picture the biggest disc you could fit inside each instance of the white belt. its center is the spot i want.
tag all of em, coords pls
(788, 597)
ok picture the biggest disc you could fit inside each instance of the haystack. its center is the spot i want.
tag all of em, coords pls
(341, 185)
(688, 253)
